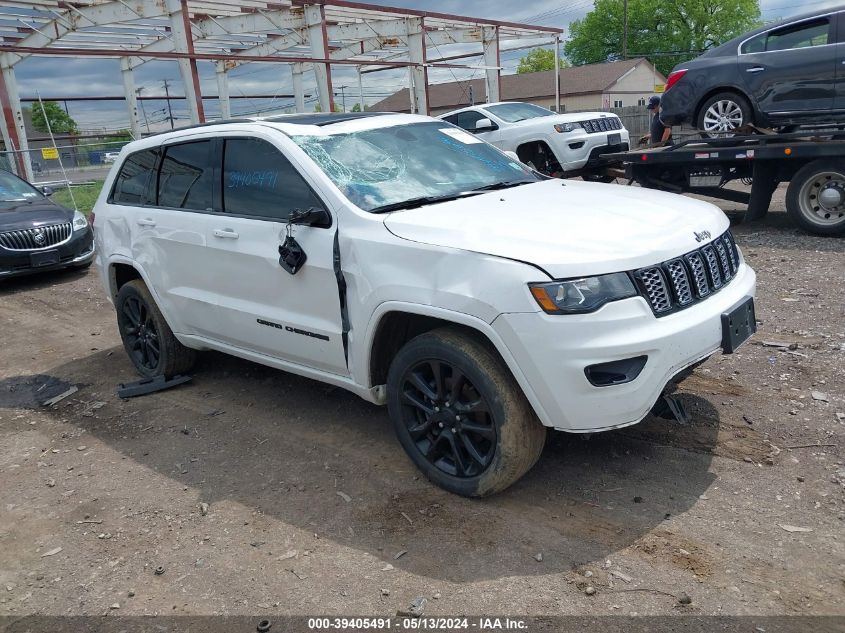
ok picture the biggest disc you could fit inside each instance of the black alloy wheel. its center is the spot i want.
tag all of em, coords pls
(448, 420)
(140, 334)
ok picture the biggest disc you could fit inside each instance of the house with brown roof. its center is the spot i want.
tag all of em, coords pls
(589, 87)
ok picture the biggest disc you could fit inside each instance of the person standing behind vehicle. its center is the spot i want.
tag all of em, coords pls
(659, 133)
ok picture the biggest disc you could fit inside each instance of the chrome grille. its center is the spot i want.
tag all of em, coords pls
(679, 283)
(699, 277)
(36, 238)
(655, 288)
(712, 266)
(604, 124)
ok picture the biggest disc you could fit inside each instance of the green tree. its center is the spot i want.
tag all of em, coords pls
(539, 59)
(356, 107)
(319, 108)
(60, 121)
(665, 32)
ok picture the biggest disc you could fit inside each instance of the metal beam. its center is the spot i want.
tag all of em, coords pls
(15, 128)
(298, 93)
(76, 17)
(419, 72)
(426, 14)
(183, 42)
(315, 18)
(223, 90)
(120, 52)
(492, 76)
(131, 98)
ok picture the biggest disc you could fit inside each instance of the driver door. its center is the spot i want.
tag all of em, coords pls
(262, 307)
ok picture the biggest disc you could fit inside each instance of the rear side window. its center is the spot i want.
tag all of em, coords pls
(186, 178)
(259, 181)
(134, 182)
(802, 35)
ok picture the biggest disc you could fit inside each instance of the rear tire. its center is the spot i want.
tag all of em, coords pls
(147, 339)
(459, 414)
(815, 198)
(724, 112)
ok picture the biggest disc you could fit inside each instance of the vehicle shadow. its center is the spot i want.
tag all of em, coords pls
(288, 447)
(36, 281)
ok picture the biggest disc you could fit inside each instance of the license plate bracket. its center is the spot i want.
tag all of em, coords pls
(614, 139)
(44, 258)
(738, 324)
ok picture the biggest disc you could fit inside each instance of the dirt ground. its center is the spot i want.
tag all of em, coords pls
(260, 492)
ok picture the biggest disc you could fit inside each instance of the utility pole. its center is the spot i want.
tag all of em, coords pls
(169, 110)
(343, 97)
(625, 29)
(143, 110)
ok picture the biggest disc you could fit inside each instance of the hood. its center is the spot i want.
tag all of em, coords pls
(15, 216)
(568, 228)
(573, 117)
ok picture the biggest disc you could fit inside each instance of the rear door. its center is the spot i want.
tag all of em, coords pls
(262, 307)
(166, 193)
(792, 68)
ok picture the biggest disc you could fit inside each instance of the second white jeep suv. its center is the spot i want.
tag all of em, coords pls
(567, 144)
(403, 259)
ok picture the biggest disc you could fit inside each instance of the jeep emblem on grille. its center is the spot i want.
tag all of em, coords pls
(39, 237)
(700, 237)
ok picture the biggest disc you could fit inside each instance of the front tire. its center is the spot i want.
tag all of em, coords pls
(815, 198)
(722, 113)
(147, 339)
(459, 414)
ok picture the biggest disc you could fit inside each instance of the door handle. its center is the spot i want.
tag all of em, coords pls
(146, 222)
(226, 233)
(755, 69)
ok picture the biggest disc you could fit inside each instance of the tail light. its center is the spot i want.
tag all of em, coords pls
(674, 78)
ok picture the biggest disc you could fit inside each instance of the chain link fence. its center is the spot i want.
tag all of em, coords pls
(82, 161)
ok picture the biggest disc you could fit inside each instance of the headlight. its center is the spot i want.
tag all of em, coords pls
(79, 221)
(566, 127)
(575, 296)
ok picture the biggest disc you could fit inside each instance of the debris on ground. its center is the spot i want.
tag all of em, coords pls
(820, 396)
(52, 552)
(794, 528)
(60, 397)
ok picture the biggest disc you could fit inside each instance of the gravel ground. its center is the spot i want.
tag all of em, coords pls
(258, 492)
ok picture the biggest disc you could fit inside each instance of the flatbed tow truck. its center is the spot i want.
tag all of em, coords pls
(813, 163)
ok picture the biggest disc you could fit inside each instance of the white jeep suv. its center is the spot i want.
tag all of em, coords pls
(403, 259)
(564, 145)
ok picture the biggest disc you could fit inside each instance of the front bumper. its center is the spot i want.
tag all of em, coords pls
(552, 352)
(573, 155)
(77, 251)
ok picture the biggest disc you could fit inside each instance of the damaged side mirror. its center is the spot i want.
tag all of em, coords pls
(313, 216)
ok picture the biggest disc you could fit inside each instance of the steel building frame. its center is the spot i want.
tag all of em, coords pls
(309, 35)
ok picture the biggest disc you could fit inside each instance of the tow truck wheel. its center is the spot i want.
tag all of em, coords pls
(460, 415)
(815, 199)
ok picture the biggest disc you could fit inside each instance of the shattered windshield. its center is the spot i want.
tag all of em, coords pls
(14, 189)
(387, 166)
(513, 112)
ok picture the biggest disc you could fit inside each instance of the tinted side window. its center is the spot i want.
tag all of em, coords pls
(258, 180)
(134, 182)
(803, 35)
(468, 119)
(453, 119)
(185, 180)
(755, 44)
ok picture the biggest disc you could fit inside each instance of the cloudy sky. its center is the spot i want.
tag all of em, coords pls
(66, 76)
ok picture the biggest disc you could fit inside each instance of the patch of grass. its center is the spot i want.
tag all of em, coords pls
(85, 195)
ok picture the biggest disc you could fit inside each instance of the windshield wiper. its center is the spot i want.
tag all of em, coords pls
(413, 203)
(502, 185)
